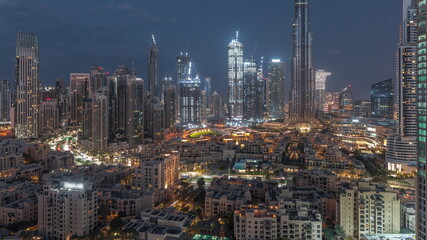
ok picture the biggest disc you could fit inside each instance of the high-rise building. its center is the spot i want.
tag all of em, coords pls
(118, 107)
(135, 112)
(362, 108)
(346, 99)
(5, 100)
(332, 101)
(66, 209)
(250, 91)
(204, 105)
(276, 74)
(169, 103)
(321, 76)
(189, 101)
(100, 120)
(207, 85)
(217, 106)
(401, 153)
(153, 76)
(27, 86)
(98, 78)
(235, 79)
(79, 90)
(49, 115)
(421, 219)
(382, 99)
(87, 127)
(59, 86)
(302, 92)
(406, 79)
(183, 68)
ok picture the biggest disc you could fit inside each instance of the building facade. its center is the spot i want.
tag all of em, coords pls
(302, 92)
(27, 86)
(276, 74)
(235, 79)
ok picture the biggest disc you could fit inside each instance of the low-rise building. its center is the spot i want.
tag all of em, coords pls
(261, 222)
(324, 179)
(153, 224)
(366, 208)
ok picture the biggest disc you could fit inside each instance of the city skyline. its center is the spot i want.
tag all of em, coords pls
(108, 47)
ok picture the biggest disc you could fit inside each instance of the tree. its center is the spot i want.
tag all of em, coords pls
(201, 183)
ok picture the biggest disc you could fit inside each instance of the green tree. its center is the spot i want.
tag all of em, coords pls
(201, 183)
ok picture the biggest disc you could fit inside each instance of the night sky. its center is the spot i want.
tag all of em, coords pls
(354, 39)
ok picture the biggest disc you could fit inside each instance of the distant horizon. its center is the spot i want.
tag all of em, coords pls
(73, 37)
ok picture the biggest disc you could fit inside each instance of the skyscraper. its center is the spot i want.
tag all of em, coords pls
(189, 101)
(207, 85)
(5, 100)
(346, 99)
(401, 153)
(135, 112)
(382, 99)
(169, 103)
(49, 115)
(302, 92)
(183, 67)
(100, 121)
(79, 90)
(218, 108)
(153, 76)
(421, 229)
(27, 86)
(250, 87)
(406, 81)
(235, 79)
(118, 99)
(98, 78)
(276, 74)
(321, 76)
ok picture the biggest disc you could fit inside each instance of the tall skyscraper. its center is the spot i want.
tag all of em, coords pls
(276, 74)
(49, 115)
(27, 86)
(235, 79)
(406, 81)
(79, 90)
(421, 231)
(382, 99)
(100, 121)
(250, 87)
(98, 78)
(207, 85)
(5, 100)
(321, 76)
(169, 103)
(401, 153)
(189, 101)
(183, 67)
(135, 112)
(302, 92)
(153, 76)
(118, 99)
(218, 108)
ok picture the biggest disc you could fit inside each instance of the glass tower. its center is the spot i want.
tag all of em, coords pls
(27, 86)
(421, 231)
(302, 92)
(235, 79)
